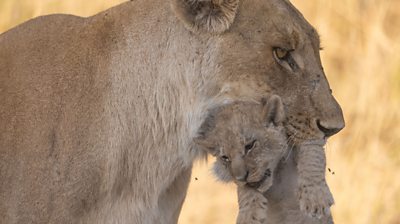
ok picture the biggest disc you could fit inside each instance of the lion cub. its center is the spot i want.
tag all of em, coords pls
(249, 141)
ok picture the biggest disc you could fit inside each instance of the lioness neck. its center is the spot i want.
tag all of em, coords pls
(155, 103)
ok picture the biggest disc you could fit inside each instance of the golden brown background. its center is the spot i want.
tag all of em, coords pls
(361, 40)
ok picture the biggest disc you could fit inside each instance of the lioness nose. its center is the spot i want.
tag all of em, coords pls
(330, 129)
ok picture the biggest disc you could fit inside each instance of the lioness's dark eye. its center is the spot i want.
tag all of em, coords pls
(249, 147)
(225, 159)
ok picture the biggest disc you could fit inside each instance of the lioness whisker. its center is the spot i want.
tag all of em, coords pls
(291, 144)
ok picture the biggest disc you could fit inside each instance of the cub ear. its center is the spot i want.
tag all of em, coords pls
(273, 111)
(215, 16)
(203, 138)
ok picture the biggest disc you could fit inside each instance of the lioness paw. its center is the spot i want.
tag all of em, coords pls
(315, 200)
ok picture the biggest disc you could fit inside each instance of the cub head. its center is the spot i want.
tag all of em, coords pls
(248, 140)
(261, 47)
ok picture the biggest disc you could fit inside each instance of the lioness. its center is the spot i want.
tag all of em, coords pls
(248, 140)
(98, 114)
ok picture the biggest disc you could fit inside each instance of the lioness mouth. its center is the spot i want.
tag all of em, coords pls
(257, 184)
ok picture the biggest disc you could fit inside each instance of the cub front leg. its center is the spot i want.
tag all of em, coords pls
(252, 206)
(314, 195)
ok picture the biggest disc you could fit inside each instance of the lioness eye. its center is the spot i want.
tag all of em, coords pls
(281, 53)
(285, 59)
(249, 146)
(225, 159)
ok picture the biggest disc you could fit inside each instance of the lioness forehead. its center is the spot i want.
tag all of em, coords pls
(285, 11)
(277, 18)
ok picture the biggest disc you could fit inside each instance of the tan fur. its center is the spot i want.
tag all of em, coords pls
(97, 114)
(248, 135)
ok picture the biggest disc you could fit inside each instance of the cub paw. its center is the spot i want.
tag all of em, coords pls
(315, 200)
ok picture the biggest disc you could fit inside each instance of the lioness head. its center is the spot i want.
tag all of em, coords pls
(265, 46)
(248, 140)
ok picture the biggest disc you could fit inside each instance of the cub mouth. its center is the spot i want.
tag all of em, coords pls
(257, 184)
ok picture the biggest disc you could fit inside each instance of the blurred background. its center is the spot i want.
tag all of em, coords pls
(361, 41)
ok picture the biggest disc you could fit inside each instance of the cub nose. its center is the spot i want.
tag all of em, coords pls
(243, 177)
(330, 129)
(238, 168)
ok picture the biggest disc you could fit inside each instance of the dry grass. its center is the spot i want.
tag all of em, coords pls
(362, 60)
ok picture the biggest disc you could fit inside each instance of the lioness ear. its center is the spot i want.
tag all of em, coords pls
(273, 111)
(215, 16)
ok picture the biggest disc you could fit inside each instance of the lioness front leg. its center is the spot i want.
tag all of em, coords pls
(252, 206)
(314, 195)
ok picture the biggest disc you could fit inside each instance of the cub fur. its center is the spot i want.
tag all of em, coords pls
(248, 140)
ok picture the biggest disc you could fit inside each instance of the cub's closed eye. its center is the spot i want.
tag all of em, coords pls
(248, 147)
(225, 159)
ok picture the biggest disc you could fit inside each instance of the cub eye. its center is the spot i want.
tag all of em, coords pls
(225, 159)
(285, 59)
(249, 147)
